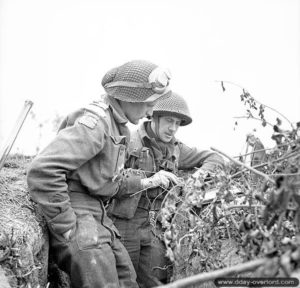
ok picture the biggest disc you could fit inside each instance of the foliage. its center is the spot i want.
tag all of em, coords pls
(255, 212)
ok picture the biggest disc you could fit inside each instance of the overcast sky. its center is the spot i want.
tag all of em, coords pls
(56, 52)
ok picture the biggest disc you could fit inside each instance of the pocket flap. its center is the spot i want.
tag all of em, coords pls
(118, 139)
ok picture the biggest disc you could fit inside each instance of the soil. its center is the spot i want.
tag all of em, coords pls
(23, 234)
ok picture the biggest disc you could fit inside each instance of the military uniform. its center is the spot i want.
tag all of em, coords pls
(83, 167)
(71, 180)
(132, 215)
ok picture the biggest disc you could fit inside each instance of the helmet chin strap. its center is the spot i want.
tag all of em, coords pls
(155, 120)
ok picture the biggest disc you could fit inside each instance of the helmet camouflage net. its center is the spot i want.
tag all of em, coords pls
(137, 81)
(175, 106)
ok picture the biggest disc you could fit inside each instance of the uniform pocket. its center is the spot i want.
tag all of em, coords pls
(146, 161)
(120, 160)
(113, 157)
(125, 207)
(87, 232)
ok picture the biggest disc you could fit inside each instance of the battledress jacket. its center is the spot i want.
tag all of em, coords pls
(88, 150)
(141, 149)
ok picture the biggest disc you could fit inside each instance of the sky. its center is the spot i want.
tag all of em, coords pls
(55, 54)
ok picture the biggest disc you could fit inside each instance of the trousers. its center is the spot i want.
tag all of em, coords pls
(93, 256)
(146, 250)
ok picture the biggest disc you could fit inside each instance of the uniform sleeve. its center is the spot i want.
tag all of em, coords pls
(47, 174)
(131, 183)
(194, 157)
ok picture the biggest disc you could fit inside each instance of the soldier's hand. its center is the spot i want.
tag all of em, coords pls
(161, 178)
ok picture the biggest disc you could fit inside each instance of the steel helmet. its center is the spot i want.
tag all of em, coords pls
(137, 81)
(175, 106)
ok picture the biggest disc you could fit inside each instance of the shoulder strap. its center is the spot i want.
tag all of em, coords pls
(138, 155)
(135, 144)
(98, 108)
(70, 119)
(177, 152)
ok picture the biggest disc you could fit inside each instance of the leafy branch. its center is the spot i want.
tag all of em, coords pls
(249, 100)
(258, 213)
(244, 165)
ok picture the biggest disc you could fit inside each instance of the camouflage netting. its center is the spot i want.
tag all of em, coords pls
(23, 234)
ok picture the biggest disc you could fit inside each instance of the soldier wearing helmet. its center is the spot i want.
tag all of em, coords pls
(154, 149)
(83, 167)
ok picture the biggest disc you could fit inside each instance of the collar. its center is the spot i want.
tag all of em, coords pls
(117, 111)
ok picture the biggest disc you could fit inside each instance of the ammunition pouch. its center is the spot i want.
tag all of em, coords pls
(148, 204)
(124, 207)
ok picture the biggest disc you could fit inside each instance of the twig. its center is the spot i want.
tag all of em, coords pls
(15, 132)
(265, 149)
(233, 221)
(142, 190)
(229, 82)
(228, 232)
(258, 101)
(167, 195)
(285, 174)
(252, 117)
(249, 153)
(245, 166)
(28, 273)
(294, 153)
(247, 149)
(208, 276)
(183, 237)
(162, 268)
(244, 206)
(256, 218)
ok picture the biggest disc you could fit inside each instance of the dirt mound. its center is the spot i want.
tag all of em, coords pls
(23, 234)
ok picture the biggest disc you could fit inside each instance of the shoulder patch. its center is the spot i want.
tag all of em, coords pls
(88, 121)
